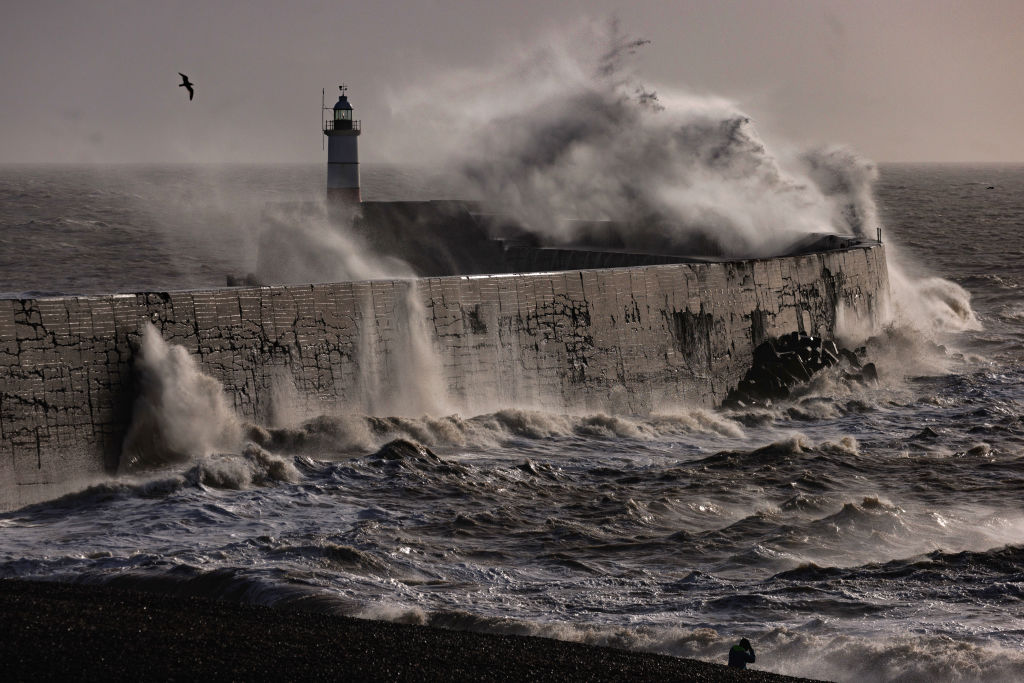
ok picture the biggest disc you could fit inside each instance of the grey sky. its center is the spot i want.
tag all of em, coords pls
(96, 81)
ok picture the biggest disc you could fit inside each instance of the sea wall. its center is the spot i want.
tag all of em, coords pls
(629, 339)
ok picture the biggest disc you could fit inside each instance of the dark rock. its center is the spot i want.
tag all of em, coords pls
(765, 354)
(870, 373)
(829, 352)
(792, 359)
(773, 387)
(757, 386)
(850, 357)
(795, 367)
(806, 354)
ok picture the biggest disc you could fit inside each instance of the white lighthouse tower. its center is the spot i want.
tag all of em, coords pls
(342, 133)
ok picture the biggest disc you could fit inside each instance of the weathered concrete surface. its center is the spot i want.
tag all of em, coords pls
(628, 340)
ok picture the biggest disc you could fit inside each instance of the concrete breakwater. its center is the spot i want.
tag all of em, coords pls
(622, 339)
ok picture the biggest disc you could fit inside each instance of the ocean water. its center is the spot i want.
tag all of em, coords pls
(851, 533)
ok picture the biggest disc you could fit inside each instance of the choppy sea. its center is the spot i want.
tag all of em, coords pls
(851, 533)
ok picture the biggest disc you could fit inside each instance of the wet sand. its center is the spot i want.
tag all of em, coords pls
(54, 631)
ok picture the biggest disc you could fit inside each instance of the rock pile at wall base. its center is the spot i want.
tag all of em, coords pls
(788, 361)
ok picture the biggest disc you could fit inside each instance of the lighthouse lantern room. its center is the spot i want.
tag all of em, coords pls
(342, 133)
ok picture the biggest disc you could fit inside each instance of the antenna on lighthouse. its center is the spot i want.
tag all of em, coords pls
(323, 105)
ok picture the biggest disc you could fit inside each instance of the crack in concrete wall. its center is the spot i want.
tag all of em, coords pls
(624, 339)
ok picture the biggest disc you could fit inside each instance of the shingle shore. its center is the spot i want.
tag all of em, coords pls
(54, 631)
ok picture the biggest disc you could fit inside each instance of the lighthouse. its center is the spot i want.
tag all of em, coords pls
(342, 133)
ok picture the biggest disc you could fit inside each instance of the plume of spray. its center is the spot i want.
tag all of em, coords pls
(929, 304)
(920, 310)
(181, 416)
(569, 132)
(179, 413)
(208, 222)
(566, 130)
(408, 379)
(300, 243)
(420, 364)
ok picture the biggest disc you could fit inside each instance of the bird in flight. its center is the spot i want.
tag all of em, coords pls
(187, 85)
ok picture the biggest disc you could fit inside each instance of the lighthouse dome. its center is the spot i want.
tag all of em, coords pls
(342, 103)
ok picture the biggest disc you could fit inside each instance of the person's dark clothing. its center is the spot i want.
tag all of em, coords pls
(740, 656)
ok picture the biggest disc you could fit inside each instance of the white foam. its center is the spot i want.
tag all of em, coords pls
(180, 413)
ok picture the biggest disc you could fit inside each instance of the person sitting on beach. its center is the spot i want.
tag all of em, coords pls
(741, 654)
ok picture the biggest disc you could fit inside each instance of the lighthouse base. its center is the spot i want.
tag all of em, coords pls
(343, 195)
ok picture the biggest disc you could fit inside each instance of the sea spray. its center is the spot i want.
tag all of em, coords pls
(569, 132)
(179, 413)
(400, 371)
(567, 135)
(253, 467)
(846, 179)
(368, 353)
(327, 436)
(281, 230)
(932, 305)
(307, 242)
(422, 365)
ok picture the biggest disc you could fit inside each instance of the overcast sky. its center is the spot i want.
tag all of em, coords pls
(96, 80)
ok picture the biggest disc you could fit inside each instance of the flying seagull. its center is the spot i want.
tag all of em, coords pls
(186, 84)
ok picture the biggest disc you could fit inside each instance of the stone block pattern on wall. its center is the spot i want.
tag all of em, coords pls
(629, 340)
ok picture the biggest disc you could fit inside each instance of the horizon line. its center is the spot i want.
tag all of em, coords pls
(50, 162)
